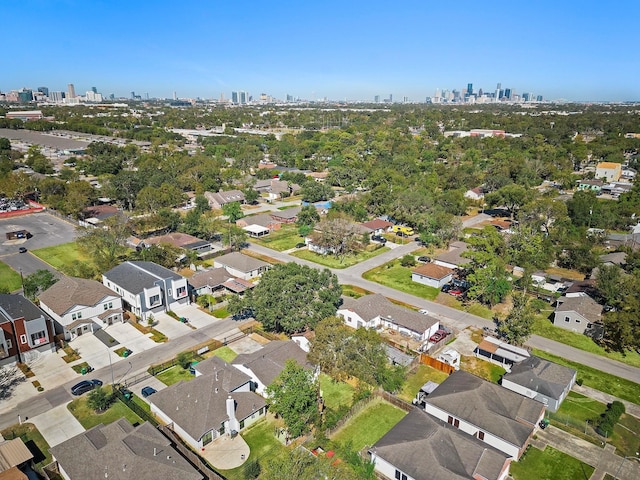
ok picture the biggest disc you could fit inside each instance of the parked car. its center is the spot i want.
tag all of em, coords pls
(456, 291)
(436, 337)
(300, 245)
(148, 391)
(423, 311)
(22, 250)
(379, 239)
(446, 288)
(401, 234)
(424, 259)
(462, 284)
(85, 386)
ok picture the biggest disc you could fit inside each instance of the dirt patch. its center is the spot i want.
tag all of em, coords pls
(259, 338)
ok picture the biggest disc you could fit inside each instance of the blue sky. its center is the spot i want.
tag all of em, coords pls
(353, 50)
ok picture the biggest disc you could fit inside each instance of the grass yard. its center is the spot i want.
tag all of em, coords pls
(33, 439)
(257, 255)
(174, 375)
(607, 383)
(89, 418)
(482, 368)
(332, 262)
(417, 379)
(545, 328)
(353, 291)
(9, 278)
(263, 445)
(284, 239)
(335, 393)
(220, 312)
(370, 425)
(396, 276)
(63, 257)
(626, 436)
(225, 353)
(550, 464)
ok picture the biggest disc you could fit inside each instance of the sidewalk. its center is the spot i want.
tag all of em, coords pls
(630, 408)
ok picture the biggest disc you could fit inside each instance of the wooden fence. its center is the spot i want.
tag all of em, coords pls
(437, 364)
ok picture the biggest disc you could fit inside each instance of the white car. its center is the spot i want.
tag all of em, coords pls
(423, 311)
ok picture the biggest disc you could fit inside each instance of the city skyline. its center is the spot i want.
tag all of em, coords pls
(351, 51)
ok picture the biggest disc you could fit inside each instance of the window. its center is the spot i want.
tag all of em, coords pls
(480, 435)
(450, 420)
(8, 340)
(108, 306)
(38, 338)
(181, 292)
(154, 300)
(241, 424)
(79, 315)
(23, 339)
(567, 319)
(400, 475)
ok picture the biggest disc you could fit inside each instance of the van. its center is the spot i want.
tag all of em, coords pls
(402, 229)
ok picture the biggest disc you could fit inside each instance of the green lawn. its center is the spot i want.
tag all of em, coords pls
(607, 383)
(225, 353)
(332, 262)
(9, 278)
(335, 393)
(417, 379)
(88, 417)
(263, 444)
(396, 276)
(33, 439)
(220, 312)
(551, 464)
(284, 239)
(482, 368)
(370, 425)
(174, 375)
(63, 257)
(545, 328)
(353, 291)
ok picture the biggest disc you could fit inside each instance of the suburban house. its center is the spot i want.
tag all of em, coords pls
(497, 416)
(15, 459)
(289, 215)
(241, 265)
(609, 171)
(264, 365)
(80, 306)
(220, 199)
(121, 451)
(95, 216)
(501, 353)
(24, 329)
(180, 240)
(614, 258)
(475, 194)
(594, 185)
(419, 447)
(542, 380)
(146, 287)
(376, 311)
(615, 189)
(259, 225)
(279, 189)
(453, 257)
(219, 401)
(432, 275)
(575, 313)
(378, 226)
(210, 281)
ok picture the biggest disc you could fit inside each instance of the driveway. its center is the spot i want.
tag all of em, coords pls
(171, 327)
(94, 352)
(127, 336)
(51, 370)
(196, 317)
(57, 425)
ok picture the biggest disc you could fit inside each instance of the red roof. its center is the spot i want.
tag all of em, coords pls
(377, 224)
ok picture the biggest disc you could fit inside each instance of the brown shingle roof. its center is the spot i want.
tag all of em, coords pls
(71, 291)
(377, 224)
(432, 270)
(213, 277)
(12, 453)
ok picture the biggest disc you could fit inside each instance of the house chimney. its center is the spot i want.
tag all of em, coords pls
(155, 451)
(231, 413)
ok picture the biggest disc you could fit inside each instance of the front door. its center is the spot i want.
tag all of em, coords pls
(207, 438)
(79, 331)
(109, 321)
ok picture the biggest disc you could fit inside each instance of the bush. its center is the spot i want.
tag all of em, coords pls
(361, 392)
(609, 419)
(252, 469)
(99, 399)
(579, 382)
(184, 359)
(408, 261)
(333, 416)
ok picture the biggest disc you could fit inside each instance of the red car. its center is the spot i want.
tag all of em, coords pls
(455, 292)
(436, 337)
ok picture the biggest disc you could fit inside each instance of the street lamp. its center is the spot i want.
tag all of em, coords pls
(111, 367)
(622, 463)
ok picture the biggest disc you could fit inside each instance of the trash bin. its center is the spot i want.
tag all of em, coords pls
(126, 353)
(127, 395)
(83, 370)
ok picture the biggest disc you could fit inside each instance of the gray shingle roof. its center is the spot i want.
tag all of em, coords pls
(454, 255)
(542, 376)
(261, 219)
(16, 306)
(488, 406)
(427, 449)
(239, 261)
(71, 291)
(122, 452)
(286, 214)
(199, 405)
(135, 276)
(584, 305)
(267, 363)
(213, 277)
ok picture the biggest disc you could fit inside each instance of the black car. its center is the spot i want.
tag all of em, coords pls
(424, 259)
(85, 386)
(447, 287)
(379, 239)
(147, 391)
(300, 245)
(22, 250)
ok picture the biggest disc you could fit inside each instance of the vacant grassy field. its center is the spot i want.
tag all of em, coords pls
(263, 445)
(370, 425)
(89, 418)
(396, 276)
(332, 262)
(64, 257)
(9, 278)
(607, 383)
(174, 375)
(33, 439)
(550, 464)
(335, 393)
(284, 239)
(545, 328)
(417, 379)
(482, 368)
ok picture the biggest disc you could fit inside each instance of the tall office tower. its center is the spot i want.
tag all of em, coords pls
(175, 96)
(507, 93)
(25, 96)
(112, 96)
(71, 91)
(94, 89)
(539, 98)
(391, 98)
(44, 90)
(376, 99)
(480, 93)
(405, 99)
(499, 86)
(289, 98)
(469, 88)
(244, 97)
(146, 95)
(456, 95)
(56, 96)
(235, 98)
(133, 95)
(526, 96)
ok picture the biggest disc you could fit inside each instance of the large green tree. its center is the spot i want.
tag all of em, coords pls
(38, 282)
(105, 245)
(517, 327)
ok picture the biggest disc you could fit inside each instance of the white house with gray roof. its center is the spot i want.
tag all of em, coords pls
(146, 287)
(79, 306)
(419, 447)
(575, 313)
(497, 416)
(241, 265)
(219, 401)
(376, 311)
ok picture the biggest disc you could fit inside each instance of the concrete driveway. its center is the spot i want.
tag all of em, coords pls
(197, 317)
(94, 352)
(149, 382)
(57, 425)
(171, 327)
(51, 370)
(129, 337)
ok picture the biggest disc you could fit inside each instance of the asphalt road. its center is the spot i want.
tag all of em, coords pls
(453, 317)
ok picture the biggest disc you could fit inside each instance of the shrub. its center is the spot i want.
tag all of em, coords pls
(609, 419)
(99, 399)
(333, 416)
(184, 359)
(252, 469)
(408, 261)
(579, 382)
